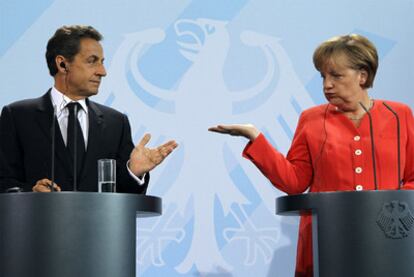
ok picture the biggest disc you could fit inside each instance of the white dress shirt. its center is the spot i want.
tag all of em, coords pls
(60, 101)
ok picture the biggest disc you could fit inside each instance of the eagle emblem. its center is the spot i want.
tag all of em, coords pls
(395, 219)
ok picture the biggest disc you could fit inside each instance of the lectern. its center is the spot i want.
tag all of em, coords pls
(71, 234)
(358, 234)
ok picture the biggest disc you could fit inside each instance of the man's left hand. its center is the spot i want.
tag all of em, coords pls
(144, 159)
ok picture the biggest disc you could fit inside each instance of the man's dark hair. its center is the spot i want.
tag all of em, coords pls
(66, 42)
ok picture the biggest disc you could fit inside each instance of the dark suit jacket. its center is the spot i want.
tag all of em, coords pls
(25, 147)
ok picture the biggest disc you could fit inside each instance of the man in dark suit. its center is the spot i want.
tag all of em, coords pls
(75, 60)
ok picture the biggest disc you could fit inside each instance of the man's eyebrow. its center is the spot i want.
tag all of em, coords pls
(95, 57)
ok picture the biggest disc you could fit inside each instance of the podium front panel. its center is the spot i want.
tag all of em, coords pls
(69, 234)
(364, 233)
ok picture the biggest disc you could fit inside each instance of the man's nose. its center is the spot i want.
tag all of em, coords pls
(101, 71)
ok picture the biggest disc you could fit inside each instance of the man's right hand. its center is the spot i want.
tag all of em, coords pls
(45, 185)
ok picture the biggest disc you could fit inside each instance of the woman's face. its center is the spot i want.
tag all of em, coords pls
(342, 85)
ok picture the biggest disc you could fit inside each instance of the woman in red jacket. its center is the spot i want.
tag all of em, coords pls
(331, 148)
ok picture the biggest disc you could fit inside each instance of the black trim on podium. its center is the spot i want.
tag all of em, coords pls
(358, 234)
(71, 234)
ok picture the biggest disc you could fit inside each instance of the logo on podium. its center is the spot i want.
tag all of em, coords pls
(395, 219)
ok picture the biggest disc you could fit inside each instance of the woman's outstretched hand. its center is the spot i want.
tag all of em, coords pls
(248, 131)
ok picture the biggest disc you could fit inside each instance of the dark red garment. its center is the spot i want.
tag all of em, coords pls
(328, 153)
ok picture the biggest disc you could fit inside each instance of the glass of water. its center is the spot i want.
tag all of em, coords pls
(106, 175)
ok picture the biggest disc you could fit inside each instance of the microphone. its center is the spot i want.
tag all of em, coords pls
(398, 143)
(371, 131)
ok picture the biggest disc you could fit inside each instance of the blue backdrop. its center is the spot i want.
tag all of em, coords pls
(177, 67)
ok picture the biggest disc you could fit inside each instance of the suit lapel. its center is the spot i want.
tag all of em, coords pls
(45, 115)
(45, 119)
(96, 127)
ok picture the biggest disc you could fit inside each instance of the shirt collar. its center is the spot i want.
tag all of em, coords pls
(60, 100)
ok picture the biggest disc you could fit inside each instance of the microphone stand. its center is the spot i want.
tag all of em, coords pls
(52, 174)
(372, 144)
(75, 149)
(398, 143)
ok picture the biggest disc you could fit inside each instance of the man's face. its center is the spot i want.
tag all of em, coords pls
(85, 71)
